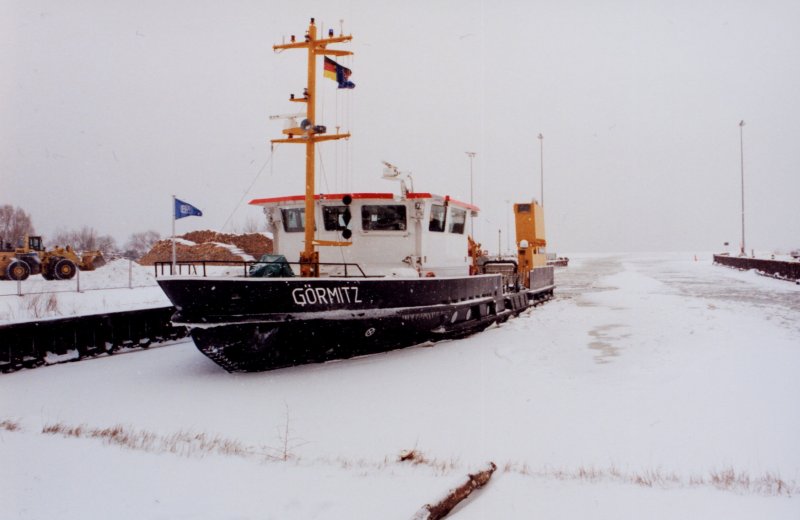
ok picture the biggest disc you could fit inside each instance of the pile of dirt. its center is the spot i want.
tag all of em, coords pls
(209, 245)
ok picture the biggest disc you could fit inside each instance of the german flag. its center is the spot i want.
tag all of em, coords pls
(338, 73)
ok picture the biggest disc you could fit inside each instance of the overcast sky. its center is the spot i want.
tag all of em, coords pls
(109, 108)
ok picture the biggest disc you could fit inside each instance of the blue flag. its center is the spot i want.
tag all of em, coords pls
(184, 209)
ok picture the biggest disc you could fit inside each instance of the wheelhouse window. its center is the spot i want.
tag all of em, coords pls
(438, 213)
(294, 219)
(383, 218)
(457, 221)
(333, 217)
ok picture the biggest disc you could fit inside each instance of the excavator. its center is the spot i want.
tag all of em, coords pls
(59, 263)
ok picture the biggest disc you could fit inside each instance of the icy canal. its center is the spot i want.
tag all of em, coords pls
(653, 386)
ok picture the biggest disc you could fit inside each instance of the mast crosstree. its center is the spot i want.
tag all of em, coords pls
(310, 133)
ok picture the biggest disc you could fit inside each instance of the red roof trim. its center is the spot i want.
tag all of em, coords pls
(321, 196)
(338, 197)
(464, 205)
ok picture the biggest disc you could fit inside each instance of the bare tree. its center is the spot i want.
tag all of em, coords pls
(15, 223)
(107, 245)
(84, 239)
(253, 225)
(140, 244)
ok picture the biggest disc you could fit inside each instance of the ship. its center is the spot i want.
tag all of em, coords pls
(557, 261)
(376, 271)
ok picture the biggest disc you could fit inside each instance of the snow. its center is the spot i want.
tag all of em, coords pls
(653, 386)
(236, 251)
(119, 285)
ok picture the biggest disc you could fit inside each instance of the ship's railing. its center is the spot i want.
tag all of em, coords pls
(206, 268)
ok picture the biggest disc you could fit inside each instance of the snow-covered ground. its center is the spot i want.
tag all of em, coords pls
(119, 285)
(651, 387)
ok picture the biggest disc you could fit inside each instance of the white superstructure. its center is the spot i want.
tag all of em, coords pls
(419, 234)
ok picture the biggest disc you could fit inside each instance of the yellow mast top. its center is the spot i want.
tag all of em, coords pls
(310, 132)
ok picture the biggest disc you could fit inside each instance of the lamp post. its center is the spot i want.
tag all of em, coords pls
(471, 156)
(741, 154)
(541, 165)
(508, 226)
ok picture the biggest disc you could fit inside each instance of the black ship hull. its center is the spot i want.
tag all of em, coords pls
(256, 324)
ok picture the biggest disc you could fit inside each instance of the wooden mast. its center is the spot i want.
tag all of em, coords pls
(310, 132)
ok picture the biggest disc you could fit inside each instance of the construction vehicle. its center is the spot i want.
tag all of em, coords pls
(59, 263)
(16, 266)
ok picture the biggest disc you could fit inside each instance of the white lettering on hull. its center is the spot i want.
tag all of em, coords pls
(325, 295)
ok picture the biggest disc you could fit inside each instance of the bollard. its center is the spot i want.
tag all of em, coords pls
(78, 279)
(19, 287)
(130, 274)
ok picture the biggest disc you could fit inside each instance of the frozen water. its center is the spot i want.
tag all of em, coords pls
(652, 386)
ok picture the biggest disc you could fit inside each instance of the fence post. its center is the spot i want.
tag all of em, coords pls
(130, 274)
(19, 287)
(78, 278)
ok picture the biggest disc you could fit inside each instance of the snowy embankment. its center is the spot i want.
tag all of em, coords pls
(651, 387)
(120, 285)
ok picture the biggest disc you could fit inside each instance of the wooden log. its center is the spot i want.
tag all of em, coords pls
(446, 504)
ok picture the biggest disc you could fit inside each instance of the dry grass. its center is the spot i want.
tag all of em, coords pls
(42, 305)
(768, 484)
(416, 458)
(185, 444)
(189, 444)
(10, 426)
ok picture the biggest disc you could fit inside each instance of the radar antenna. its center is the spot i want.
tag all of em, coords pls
(393, 173)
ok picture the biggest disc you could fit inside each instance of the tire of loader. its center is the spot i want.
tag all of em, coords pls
(49, 268)
(17, 270)
(65, 269)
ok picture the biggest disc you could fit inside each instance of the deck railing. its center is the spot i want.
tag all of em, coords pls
(190, 267)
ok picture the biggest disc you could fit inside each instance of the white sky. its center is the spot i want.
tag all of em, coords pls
(109, 108)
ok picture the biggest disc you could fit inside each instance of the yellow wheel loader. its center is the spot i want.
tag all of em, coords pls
(60, 263)
(17, 265)
(13, 268)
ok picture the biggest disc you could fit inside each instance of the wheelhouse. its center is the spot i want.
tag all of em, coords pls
(421, 234)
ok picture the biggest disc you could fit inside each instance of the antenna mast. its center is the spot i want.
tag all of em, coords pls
(310, 133)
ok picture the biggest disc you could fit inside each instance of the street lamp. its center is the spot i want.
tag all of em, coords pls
(741, 153)
(471, 203)
(541, 164)
(508, 226)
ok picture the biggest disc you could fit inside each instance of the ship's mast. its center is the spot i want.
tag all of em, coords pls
(310, 132)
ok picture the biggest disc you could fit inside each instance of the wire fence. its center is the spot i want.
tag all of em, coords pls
(38, 285)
